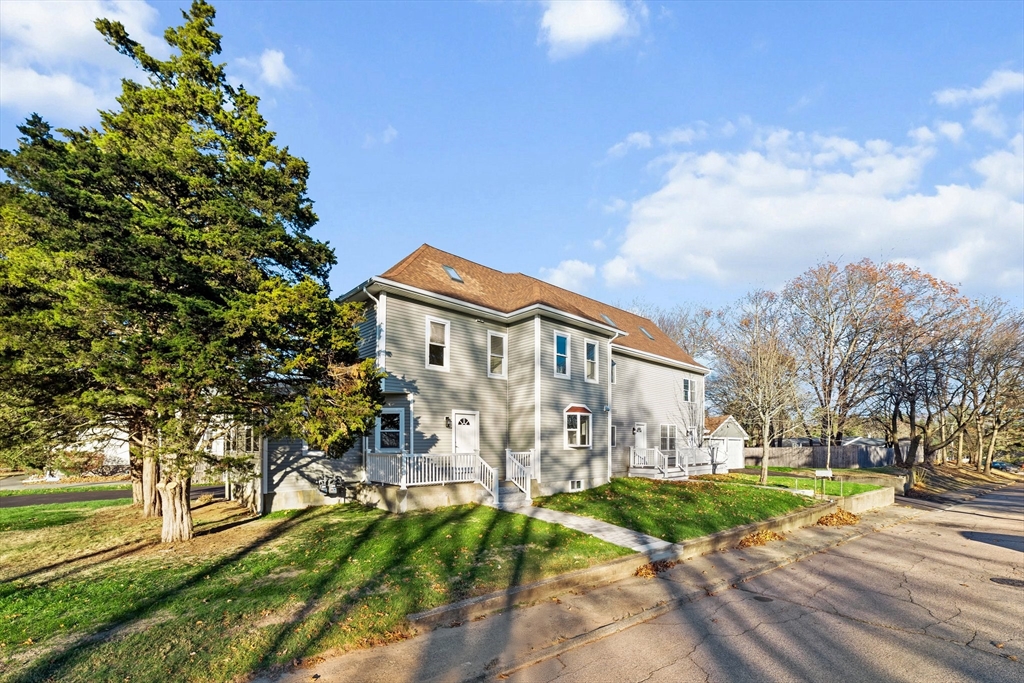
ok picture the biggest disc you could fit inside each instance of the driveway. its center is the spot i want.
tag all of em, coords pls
(939, 598)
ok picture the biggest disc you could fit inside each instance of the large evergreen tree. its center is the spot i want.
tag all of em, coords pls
(160, 269)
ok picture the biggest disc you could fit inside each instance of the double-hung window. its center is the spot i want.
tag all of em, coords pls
(578, 423)
(496, 354)
(438, 347)
(688, 391)
(668, 438)
(590, 360)
(562, 355)
(390, 432)
(613, 437)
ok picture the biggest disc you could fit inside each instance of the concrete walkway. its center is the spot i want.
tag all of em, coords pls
(627, 538)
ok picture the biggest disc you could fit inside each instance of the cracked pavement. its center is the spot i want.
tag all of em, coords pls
(912, 602)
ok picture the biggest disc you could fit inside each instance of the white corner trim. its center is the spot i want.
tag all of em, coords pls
(537, 364)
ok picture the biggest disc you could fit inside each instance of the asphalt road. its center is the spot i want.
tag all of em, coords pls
(938, 599)
(80, 496)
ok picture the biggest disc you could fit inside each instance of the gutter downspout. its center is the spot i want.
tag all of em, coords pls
(610, 407)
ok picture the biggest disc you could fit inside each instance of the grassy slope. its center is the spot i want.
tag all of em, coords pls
(832, 487)
(852, 471)
(675, 511)
(65, 489)
(92, 597)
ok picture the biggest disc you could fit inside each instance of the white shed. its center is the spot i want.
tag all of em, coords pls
(725, 433)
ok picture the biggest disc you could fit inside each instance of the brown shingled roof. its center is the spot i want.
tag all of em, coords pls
(713, 423)
(507, 292)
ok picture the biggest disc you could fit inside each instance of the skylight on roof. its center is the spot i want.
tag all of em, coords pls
(608, 320)
(648, 334)
(452, 274)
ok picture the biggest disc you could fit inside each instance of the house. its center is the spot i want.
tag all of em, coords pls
(500, 387)
(724, 434)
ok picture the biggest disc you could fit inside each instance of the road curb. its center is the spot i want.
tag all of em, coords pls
(608, 572)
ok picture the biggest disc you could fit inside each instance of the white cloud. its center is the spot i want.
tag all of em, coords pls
(55, 62)
(767, 212)
(386, 137)
(273, 70)
(681, 136)
(570, 27)
(571, 274)
(637, 140)
(615, 205)
(950, 129)
(999, 84)
(989, 119)
(923, 135)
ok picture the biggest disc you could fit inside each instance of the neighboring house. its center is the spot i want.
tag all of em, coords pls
(496, 377)
(724, 434)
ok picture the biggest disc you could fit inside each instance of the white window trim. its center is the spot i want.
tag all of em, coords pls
(565, 427)
(613, 370)
(504, 357)
(447, 344)
(568, 355)
(613, 437)
(688, 386)
(597, 362)
(401, 431)
(675, 434)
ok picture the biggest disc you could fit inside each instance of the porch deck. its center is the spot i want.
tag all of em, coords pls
(678, 464)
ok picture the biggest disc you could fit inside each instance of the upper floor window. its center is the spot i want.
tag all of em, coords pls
(577, 427)
(496, 354)
(390, 432)
(615, 373)
(561, 354)
(590, 360)
(668, 438)
(613, 437)
(688, 388)
(438, 338)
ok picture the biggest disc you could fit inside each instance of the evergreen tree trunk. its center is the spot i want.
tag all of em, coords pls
(151, 506)
(135, 468)
(174, 495)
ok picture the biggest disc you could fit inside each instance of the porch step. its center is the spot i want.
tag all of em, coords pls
(676, 473)
(510, 496)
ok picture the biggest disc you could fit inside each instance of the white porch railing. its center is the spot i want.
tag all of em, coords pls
(430, 469)
(643, 457)
(519, 470)
(660, 460)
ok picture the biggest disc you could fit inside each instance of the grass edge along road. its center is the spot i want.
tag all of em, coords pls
(675, 511)
(93, 597)
(43, 490)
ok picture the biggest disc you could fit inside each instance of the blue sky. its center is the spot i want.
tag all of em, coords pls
(673, 152)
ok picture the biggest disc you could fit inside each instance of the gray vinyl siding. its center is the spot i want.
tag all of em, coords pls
(368, 332)
(291, 468)
(559, 464)
(436, 393)
(651, 393)
(521, 385)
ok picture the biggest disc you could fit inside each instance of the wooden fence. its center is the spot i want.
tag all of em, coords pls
(814, 456)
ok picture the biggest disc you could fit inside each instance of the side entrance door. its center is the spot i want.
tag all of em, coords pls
(466, 431)
(640, 430)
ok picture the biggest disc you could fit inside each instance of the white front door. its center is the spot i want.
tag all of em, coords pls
(641, 435)
(466, 432)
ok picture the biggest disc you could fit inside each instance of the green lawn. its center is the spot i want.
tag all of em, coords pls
(64, 489)
(832, 487)
(86, 593)
(675, 511)
(809, 471)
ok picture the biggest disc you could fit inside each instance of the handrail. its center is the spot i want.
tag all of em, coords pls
(487, 476)
(427, 469)
(519, 470)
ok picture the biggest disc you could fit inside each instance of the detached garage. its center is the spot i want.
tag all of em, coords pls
(725, 433)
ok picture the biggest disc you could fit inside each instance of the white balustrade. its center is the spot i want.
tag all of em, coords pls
(519, 470)
(430, 469)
